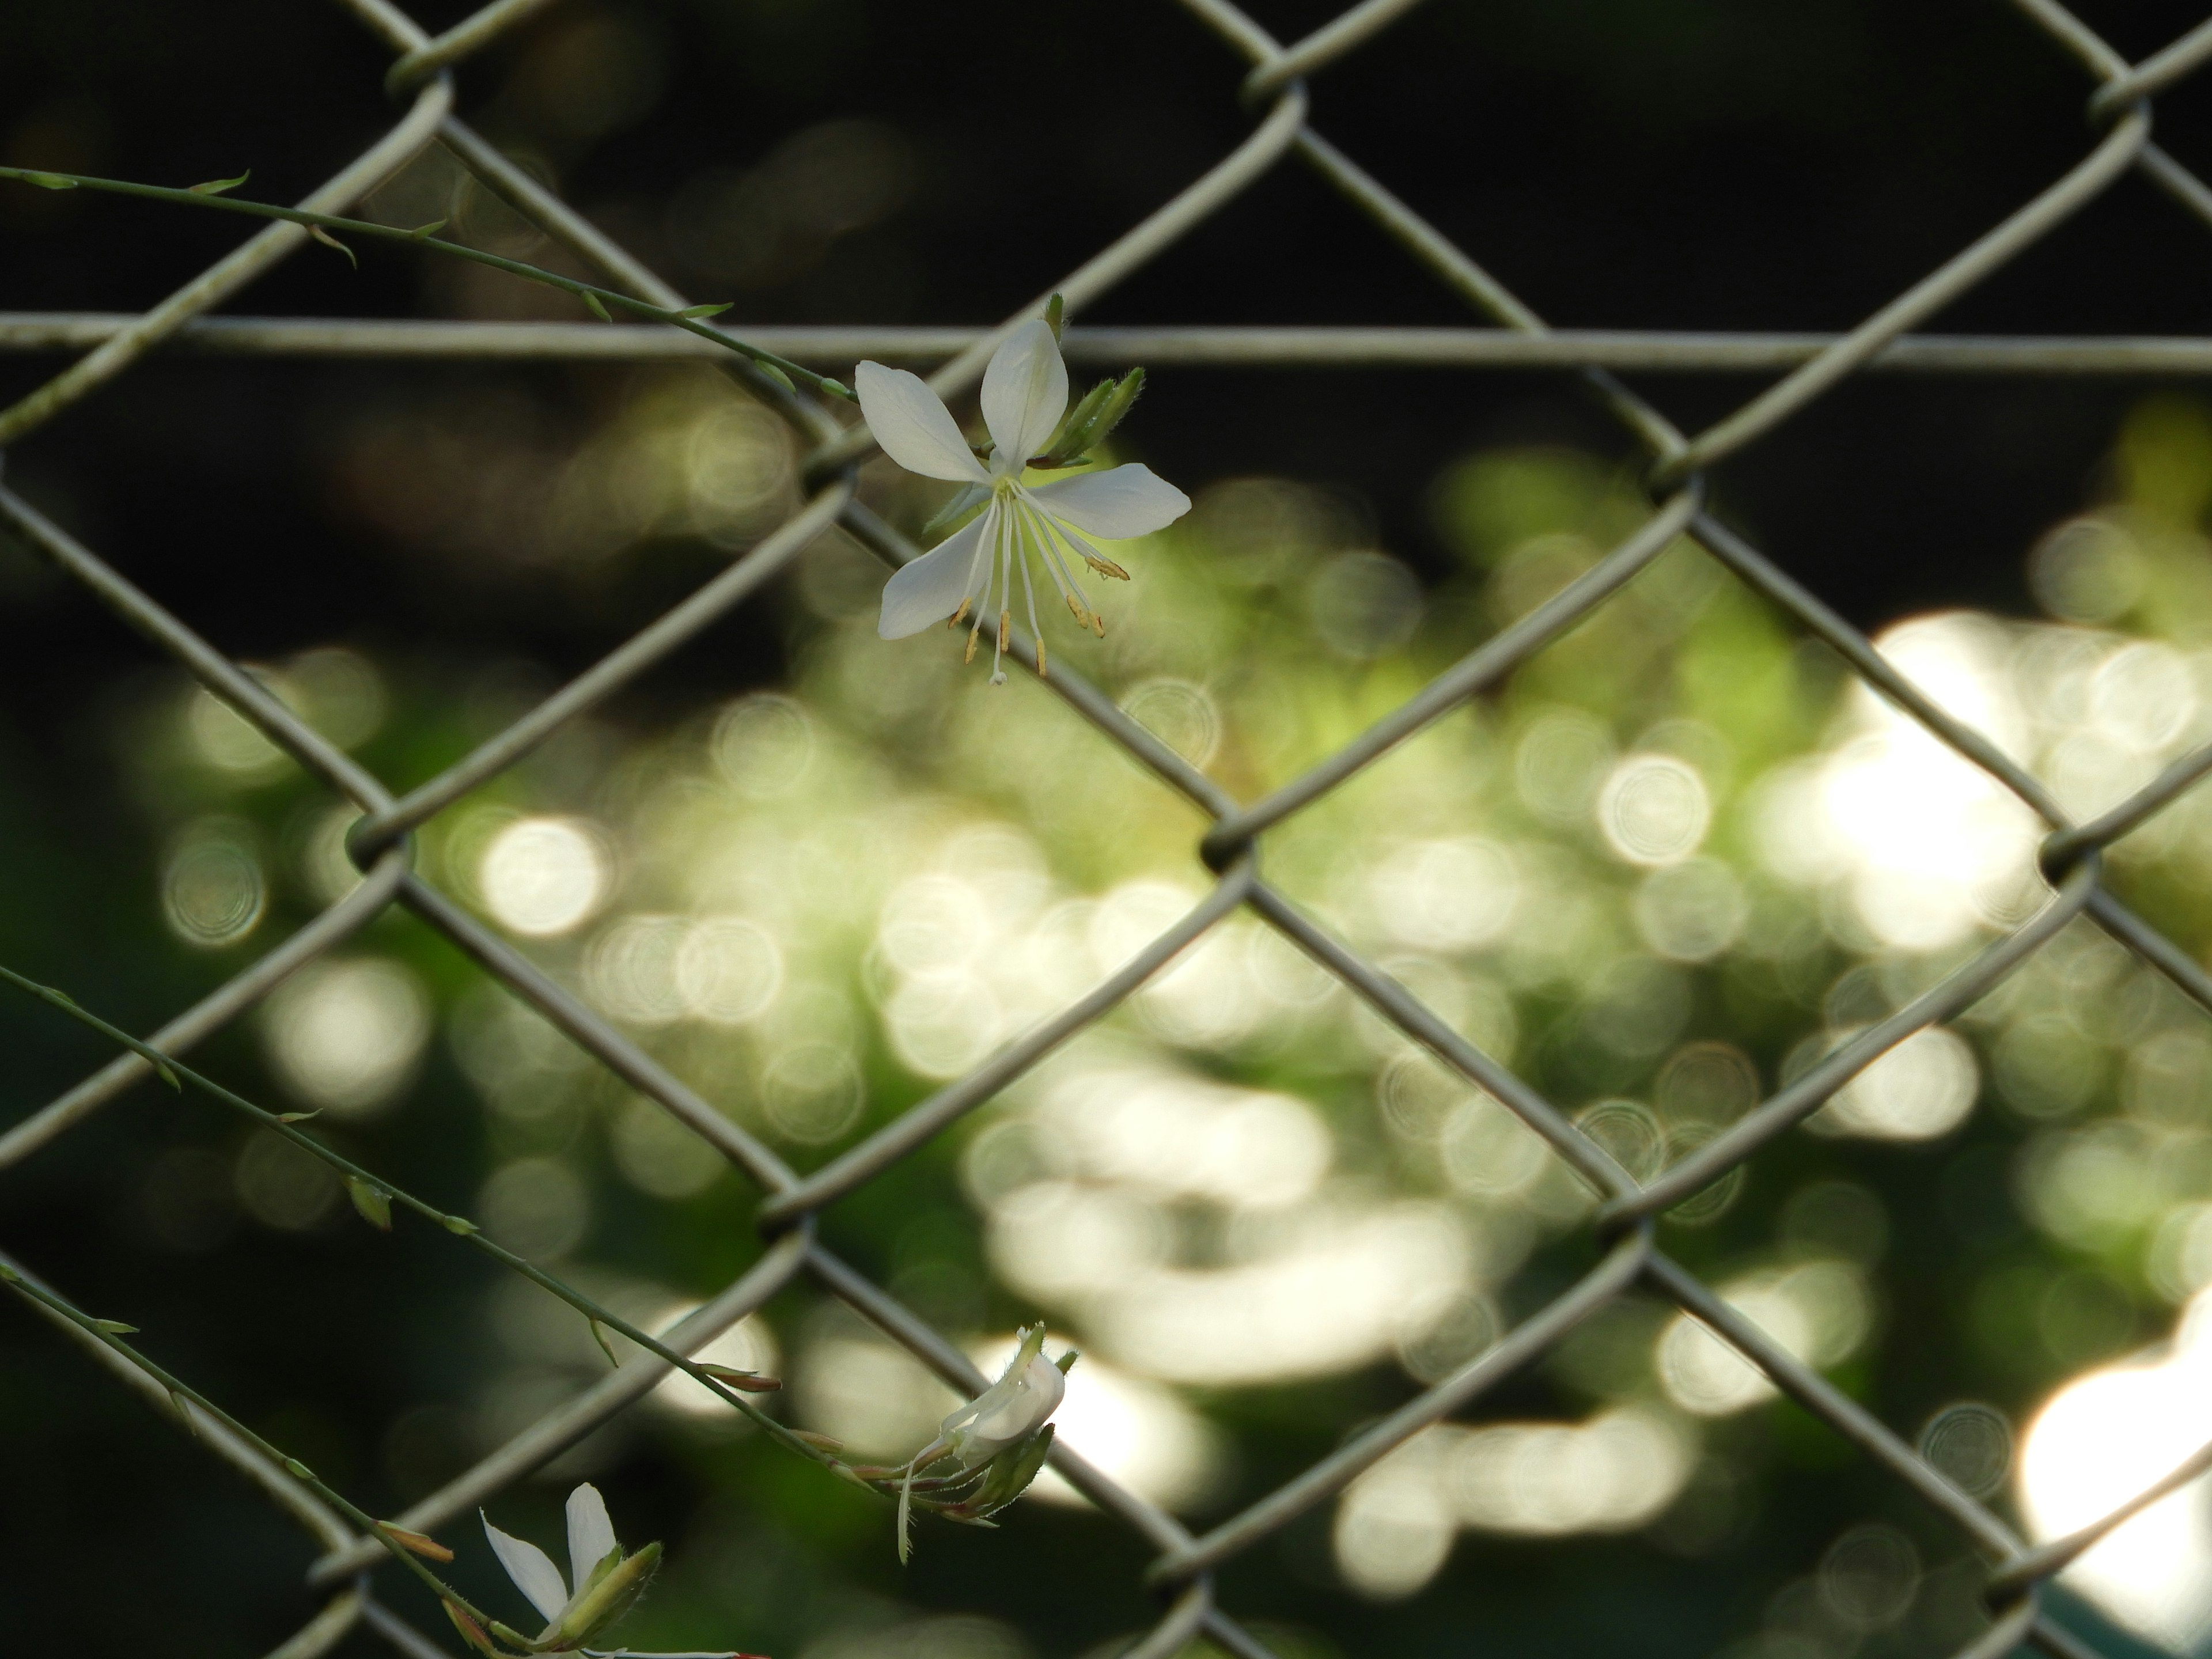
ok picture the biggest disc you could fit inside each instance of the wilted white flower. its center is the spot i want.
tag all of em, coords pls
(1004, 1425)
(1025, 399)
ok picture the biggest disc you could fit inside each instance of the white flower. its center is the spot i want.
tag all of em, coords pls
(606, 1581)
(1024, 397)
(1009, 1413)
(1010, 1410)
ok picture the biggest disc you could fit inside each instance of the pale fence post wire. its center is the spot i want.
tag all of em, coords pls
(1274, 89)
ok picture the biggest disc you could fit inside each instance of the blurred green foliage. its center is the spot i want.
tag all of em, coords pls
(1263, 1215)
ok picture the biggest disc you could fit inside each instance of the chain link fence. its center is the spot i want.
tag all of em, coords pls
(1278, 90)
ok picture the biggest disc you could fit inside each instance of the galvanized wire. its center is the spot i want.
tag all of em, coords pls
(1275, 83)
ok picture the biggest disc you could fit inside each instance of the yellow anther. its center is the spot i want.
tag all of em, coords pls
(959, 616)
(1006, 626)
(968, 655)
(1041, 674)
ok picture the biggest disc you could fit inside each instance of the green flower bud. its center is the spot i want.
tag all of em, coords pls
(612, 1590)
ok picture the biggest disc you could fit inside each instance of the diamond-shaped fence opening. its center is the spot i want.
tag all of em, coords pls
(1378, 1463)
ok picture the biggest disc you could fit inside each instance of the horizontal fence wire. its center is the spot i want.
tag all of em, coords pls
(1646, 351)
(1511, 337)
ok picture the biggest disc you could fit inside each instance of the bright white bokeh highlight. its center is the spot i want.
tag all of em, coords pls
(346, 1034)
(2103, 1439)
(1654, 810)
(1454, 895)
(1395, 1524)
(1311, 1277)
(1921, 839)
(543, 876)
(1817, 1311)
(1925, 848)
(1923, 1088)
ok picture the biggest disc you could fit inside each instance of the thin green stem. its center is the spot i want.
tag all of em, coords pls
(460, 1225)
(597, 299)
(99, 1331)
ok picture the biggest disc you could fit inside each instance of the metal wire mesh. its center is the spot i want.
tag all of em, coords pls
(1277, 90)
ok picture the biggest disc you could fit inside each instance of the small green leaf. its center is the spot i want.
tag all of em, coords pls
(48, 180)
(706, 311)
(461, 1224)
(298, 1117)
(597, 310)
(421, 231)
(373, 1203)
(166, 1072)
(777, 375)
(599, 1336)
(837, 389)
(1055, 311)
(115, 1327)
(298, 1470)
(185, 1411)
(217, 186)
(329, 240)
(1066, 1361)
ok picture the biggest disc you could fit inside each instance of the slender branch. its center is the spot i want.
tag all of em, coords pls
(105, 1331)
(594, 297)
(176, 1075)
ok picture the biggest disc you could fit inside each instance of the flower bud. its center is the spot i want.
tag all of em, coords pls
(1119, 403)
(1012, 1409)
(607, 1598)
(1069, 441)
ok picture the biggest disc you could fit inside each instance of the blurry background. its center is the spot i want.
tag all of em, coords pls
(819, 874)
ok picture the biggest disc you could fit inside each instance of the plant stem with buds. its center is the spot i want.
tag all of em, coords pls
(593, 297)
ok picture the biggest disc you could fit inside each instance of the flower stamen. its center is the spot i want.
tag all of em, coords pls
(1028, 596)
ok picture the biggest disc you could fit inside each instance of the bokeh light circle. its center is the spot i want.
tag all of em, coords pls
(1654, 810)
(543, 876)
(1970, 1445)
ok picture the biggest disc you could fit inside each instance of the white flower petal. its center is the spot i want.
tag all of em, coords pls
(931, 588)
(591, 1534)
(1117, 504)
(913, 425)
(532, 1568)
(1030, 1399)
(1024, 395)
